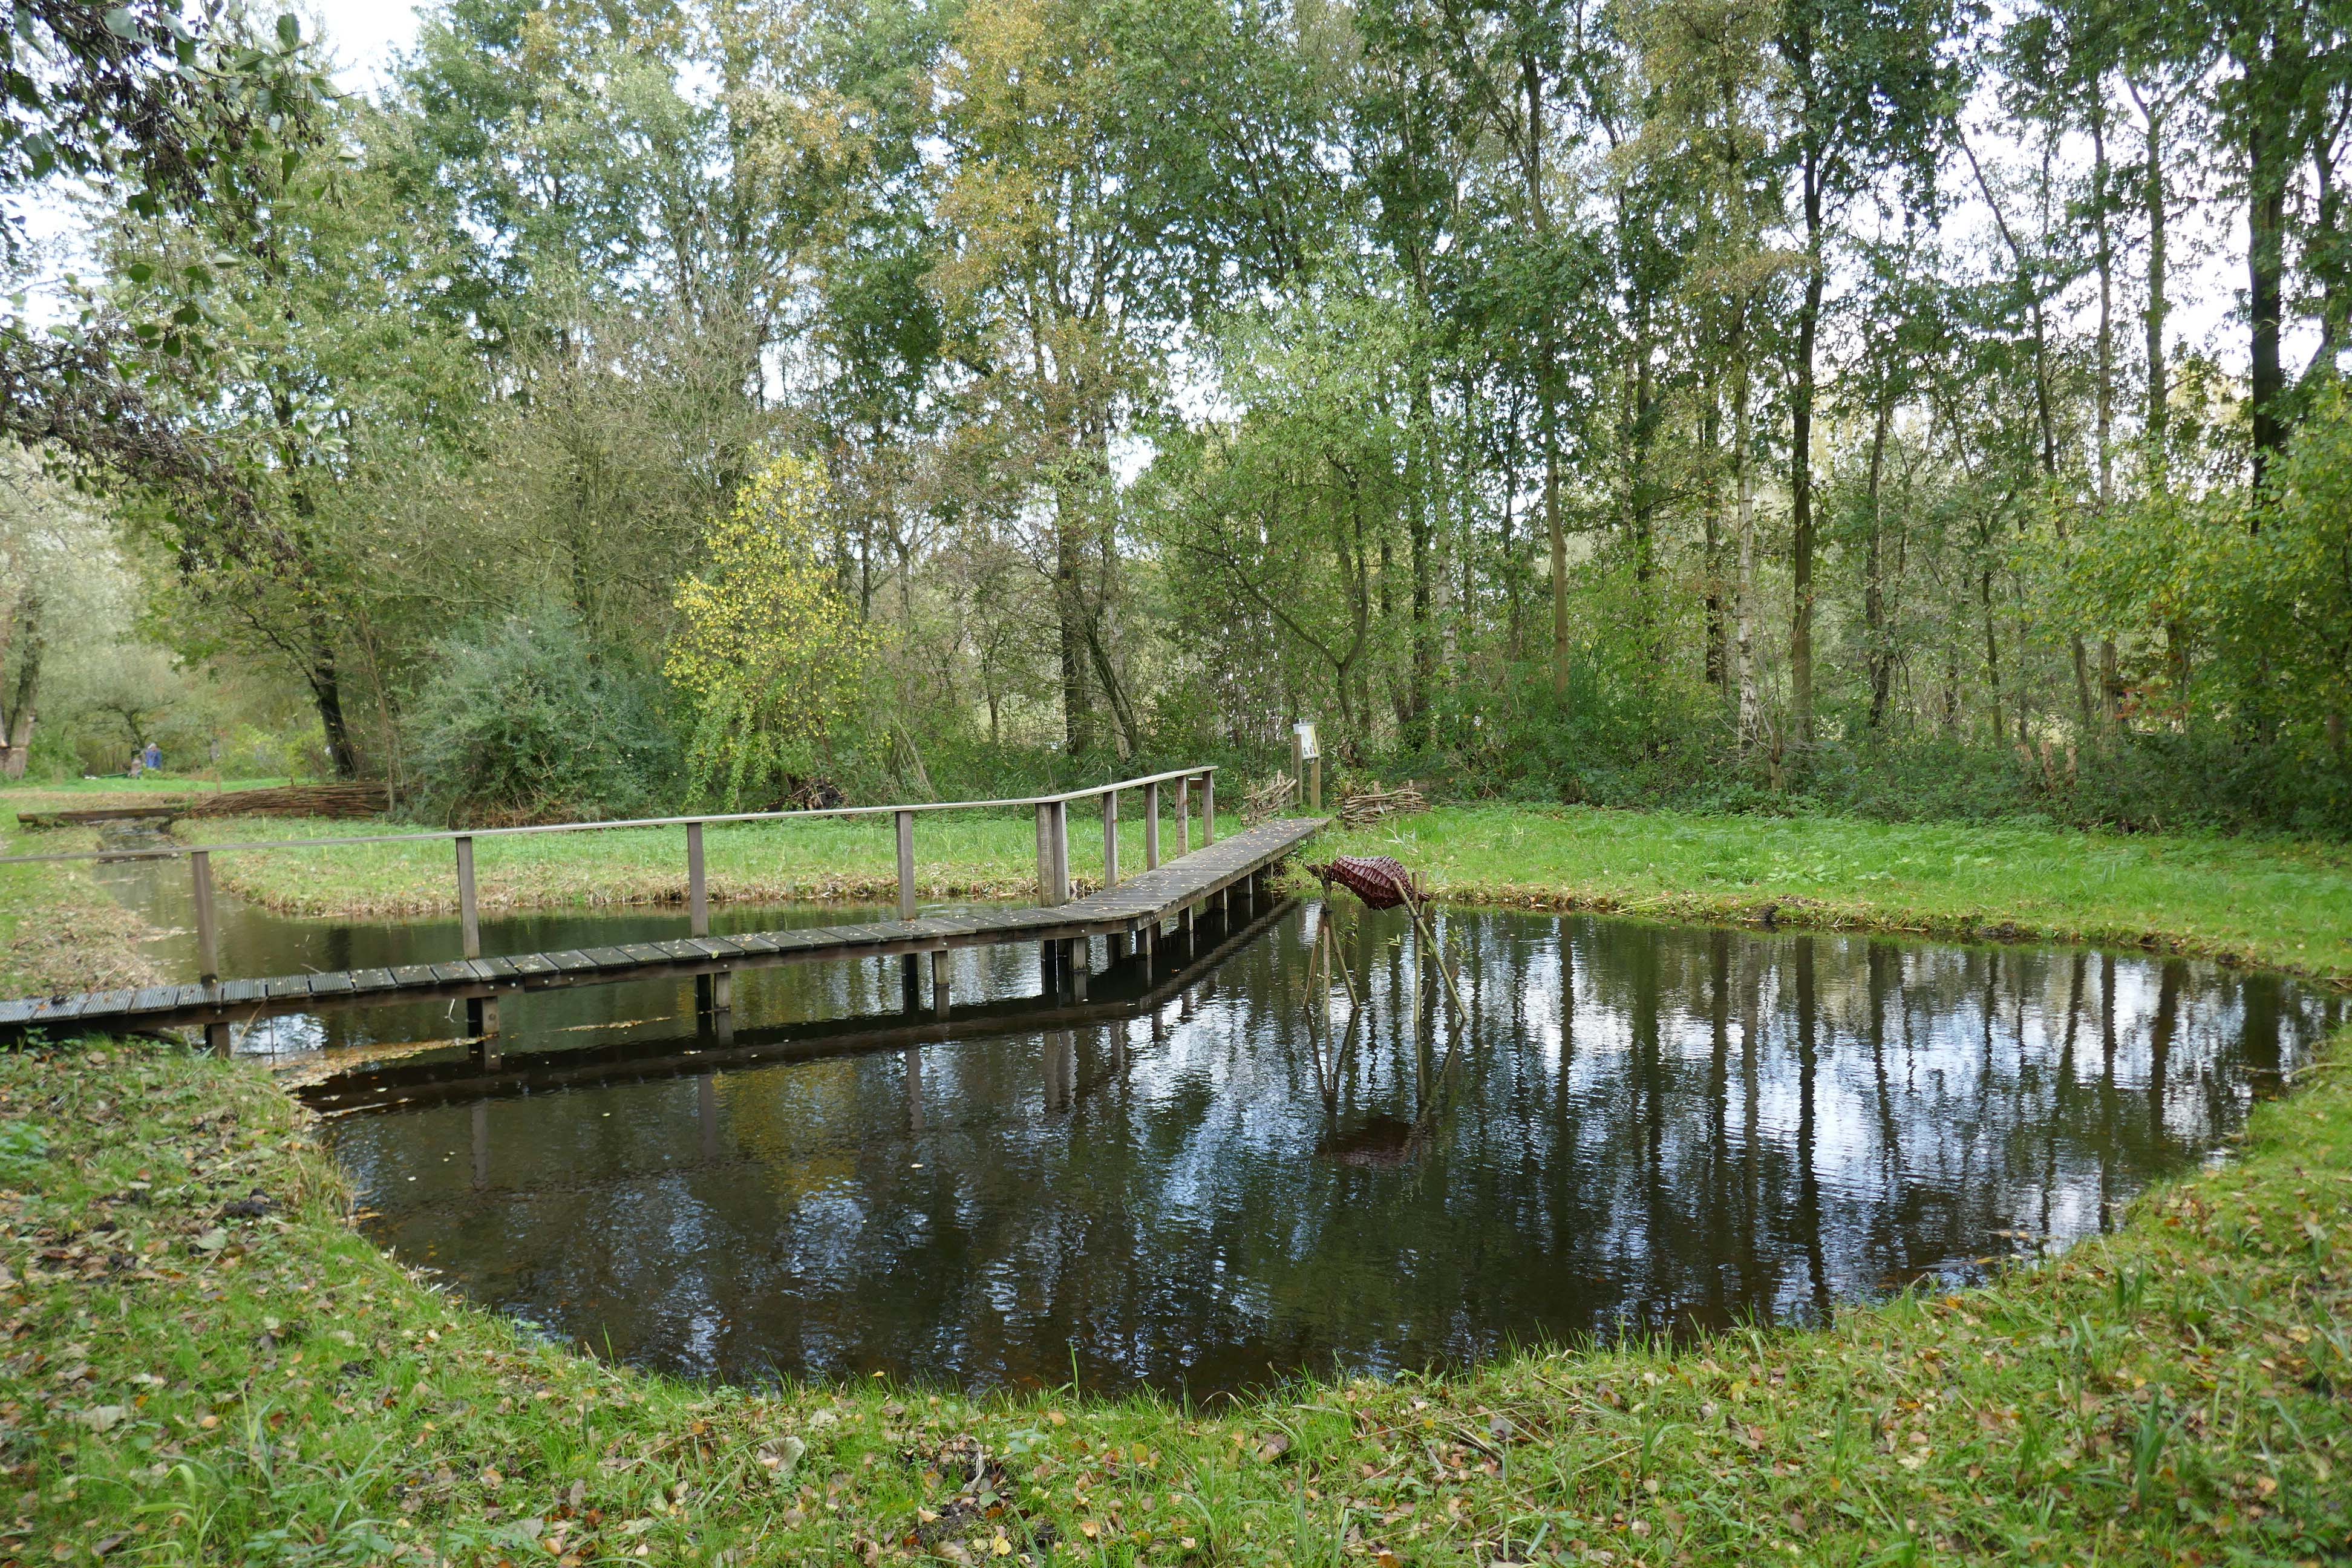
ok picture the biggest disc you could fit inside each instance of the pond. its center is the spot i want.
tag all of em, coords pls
(1189, 1181)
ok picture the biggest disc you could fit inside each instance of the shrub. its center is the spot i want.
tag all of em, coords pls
(528, 719)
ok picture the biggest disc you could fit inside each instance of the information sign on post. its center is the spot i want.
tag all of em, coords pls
(1307, 760)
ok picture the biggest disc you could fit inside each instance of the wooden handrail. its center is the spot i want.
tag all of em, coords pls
(442, 836)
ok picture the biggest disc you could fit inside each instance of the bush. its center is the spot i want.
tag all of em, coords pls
(528, 721)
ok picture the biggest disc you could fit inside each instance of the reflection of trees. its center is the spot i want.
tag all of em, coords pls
(1645, 1128)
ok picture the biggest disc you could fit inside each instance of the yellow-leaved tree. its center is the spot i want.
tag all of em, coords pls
(772, 655)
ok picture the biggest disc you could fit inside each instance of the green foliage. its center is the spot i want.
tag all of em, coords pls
(528, 719)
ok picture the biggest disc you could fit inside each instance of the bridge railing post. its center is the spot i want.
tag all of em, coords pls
(1184, 816)
(1061, 852)
(1045, 852)
(1208, 809)
(1151, 826)
(469, 918)
(906, 820)
(1110, 839)
(200, 870)
(481, 1012)
(697, 884)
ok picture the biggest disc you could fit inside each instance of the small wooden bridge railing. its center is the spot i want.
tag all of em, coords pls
(1053, 848)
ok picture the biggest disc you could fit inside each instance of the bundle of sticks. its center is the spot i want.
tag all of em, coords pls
(339, 800)
(1375, 801)
(1268, 798)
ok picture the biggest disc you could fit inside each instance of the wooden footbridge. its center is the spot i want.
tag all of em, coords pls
(1132, 913)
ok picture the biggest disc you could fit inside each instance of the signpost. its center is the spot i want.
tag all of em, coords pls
(1306, 762)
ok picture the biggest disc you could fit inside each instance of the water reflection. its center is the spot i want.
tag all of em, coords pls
(1633, 1128)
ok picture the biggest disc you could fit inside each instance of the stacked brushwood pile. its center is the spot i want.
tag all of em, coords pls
(1268, 798)
(1376, 801)
(336, 800)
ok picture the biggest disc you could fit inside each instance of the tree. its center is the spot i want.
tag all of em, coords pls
(772, 654)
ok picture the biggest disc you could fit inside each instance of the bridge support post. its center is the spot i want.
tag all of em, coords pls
(200, 872)
(714, 994)
(481, 1012)
(940, 981)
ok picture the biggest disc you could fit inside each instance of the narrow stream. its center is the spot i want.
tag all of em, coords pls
(1183, 1183)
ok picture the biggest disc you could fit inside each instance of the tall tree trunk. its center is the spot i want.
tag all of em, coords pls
(32, 641)
(1069, 585)
(1421, 499)
(327, 692)
(2106, 409)
(1800, 462)
(1751, 705)
(1992, 652)
(1718, 629)
(2266, 155)
(1531, 172)
(2153, 200)
(1879, 655)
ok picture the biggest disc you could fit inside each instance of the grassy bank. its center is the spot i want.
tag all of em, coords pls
(2276, 902)
(959, 856)
(2271, 901)
(208, 1365)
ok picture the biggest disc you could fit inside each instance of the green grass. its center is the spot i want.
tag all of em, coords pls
(960, 854)
(2276, 902)
(208, 1365)
(119, 783)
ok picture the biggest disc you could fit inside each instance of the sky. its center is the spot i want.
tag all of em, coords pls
(365, 34)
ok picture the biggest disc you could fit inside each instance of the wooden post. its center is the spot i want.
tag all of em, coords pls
(200, 872)
(469, 918)
(1184, 816)
(481, 1012)
(940, 981)
(697, 888)
(1208, 809)
(200, 868)
(1151, 826)
(906, 865)
(1315, 784)
(1045, 853)
(1298, 764)
(1110, 839)
(1061, 852)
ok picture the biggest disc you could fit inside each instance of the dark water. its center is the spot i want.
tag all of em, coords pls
(1180, 1182)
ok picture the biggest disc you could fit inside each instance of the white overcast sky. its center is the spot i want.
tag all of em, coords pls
(365, 34)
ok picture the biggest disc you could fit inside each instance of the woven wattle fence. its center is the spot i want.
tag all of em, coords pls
(1380, 882)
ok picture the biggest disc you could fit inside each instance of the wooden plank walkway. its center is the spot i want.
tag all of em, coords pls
(1130, 989)
(1140, 903)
